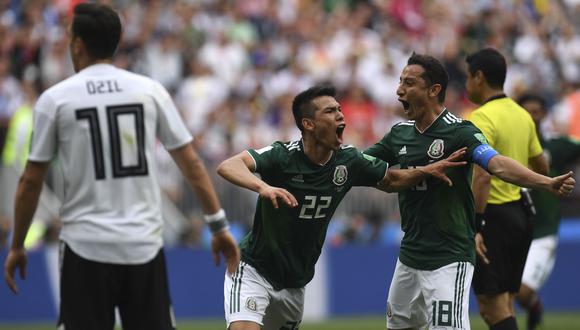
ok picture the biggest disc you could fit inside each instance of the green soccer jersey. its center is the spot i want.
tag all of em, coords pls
(561, 151)
(285, 243)
(438, 220)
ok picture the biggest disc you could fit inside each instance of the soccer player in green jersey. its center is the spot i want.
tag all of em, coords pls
(561, 152)
(302, 182)
(433, 274)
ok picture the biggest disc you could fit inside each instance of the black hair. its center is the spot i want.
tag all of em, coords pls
(99, 27)
(435, 72)
(529, 97)
(491, 63)
(302, 105)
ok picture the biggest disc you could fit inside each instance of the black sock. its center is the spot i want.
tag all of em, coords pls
(505, 324)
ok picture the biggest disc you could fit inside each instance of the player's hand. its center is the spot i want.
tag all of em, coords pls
(224, 243)
(481, 249)
(16, 259)
(563, 185)
(437, 169)
(274, 193)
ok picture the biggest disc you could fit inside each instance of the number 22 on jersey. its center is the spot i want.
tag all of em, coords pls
(315, 207)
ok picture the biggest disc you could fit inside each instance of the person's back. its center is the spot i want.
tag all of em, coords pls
(101, 125)
(107, 120)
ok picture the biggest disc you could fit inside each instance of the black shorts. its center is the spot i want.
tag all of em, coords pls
(507, 235)
(90, 291)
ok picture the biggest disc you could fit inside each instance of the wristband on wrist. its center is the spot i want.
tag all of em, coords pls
(217, 222)
(479, 222)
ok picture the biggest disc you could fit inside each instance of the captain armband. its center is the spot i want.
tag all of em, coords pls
(482, 154)
(217, 222)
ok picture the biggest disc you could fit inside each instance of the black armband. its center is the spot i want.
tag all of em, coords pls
(217, 222)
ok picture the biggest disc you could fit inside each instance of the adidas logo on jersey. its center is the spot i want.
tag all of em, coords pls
(403, 150)
(298, 178)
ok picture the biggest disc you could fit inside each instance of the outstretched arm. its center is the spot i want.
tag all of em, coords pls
(238, 170)
(194, 171)
(27, 195)
(513, 172)
(399, 180)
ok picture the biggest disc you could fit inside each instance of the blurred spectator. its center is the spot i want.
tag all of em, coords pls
(233, 65)
(10, 97)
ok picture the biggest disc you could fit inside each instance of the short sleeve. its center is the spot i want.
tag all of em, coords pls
(265, 158)
(44, 143)
(485, 125)
(382, 150)
(470, 137)
(370, 170)
(171, 129)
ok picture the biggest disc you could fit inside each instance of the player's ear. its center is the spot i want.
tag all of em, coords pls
(434, 90)
(307, 124)
(479, 77)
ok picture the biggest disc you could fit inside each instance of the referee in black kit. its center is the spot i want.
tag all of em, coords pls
(502, 216)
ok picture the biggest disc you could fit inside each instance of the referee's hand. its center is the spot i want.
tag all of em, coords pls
(224, 243)
(480, 248)
(563, 185)
(16, 259)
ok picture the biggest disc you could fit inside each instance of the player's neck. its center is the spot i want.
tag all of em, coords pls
(317, 153)
(428, 117)
(490, 93)
(86, 62)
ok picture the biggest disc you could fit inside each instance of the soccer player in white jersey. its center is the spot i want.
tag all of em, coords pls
(102, 124)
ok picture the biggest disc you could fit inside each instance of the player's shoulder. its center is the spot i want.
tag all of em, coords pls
(61, 87)
(402, 127)
(404, 124)
(282, 148)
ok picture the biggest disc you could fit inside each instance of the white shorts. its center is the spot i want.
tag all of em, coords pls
(434, 299)
(249, 297)
(540, 262)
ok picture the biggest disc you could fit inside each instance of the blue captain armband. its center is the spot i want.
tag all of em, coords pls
(482, 154)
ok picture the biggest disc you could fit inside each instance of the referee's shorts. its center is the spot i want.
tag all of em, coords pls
(507, 234)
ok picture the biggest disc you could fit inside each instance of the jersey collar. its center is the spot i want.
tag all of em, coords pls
(495, 97)
(99, 67)
(433, 122)
(328, 161)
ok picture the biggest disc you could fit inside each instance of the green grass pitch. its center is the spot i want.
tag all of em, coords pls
(552, 321)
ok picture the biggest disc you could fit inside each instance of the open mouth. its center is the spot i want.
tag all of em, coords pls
(339, 132)
(405, 104)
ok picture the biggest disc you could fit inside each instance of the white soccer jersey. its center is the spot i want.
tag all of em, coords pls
(102, 125)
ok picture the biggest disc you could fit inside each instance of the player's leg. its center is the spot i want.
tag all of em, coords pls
(539, 266)
(406, 307)
(491, 282)
(446, 292)
(507, 235)
(246, 298)
(144, 302)
(87, 293)
(285, 310)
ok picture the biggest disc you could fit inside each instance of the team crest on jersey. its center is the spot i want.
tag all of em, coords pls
(251, 304)
(340, 175)
(436, 149)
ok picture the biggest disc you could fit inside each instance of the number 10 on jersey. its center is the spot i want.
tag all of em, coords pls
(117, 133)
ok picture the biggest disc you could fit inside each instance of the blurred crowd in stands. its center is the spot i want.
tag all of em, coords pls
(233, 68)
